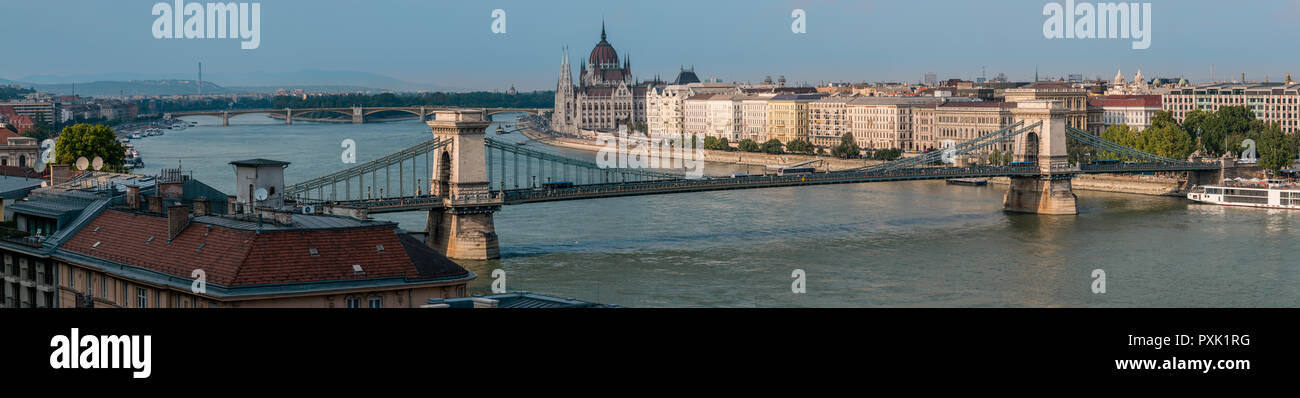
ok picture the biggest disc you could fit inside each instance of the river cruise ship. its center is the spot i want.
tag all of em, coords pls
(1269, 196)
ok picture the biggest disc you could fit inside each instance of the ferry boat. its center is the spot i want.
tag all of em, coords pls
(1272, 195)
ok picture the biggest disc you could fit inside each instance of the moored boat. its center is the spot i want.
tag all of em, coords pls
(1268, 195)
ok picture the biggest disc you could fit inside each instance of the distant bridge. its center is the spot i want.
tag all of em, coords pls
(357, 113)
(467, 177)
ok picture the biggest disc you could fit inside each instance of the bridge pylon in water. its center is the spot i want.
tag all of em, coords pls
(463, 228)
(1050, 192)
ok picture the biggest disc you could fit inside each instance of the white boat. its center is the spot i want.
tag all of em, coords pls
(1272, 195)
(136, 136)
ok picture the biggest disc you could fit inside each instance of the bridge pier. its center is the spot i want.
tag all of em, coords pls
(464, 227)
(1050, 192)
(358, 115)
(1040, 195)
(225, 119)
(464, 233)
(288, 116)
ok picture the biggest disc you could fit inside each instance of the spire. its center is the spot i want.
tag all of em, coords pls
(602, 29)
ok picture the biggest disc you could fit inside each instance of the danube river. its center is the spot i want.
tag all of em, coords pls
(881, 244)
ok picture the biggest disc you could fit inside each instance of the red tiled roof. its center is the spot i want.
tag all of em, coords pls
(232, 257)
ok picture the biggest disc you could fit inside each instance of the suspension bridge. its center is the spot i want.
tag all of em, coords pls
(461, 177)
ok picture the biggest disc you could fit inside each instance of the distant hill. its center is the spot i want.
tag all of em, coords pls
(134, 87)
(112, 84)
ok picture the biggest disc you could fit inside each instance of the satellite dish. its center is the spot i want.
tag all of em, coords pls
(260, 194)
(309, 209)
(82, 163)
(98, 163)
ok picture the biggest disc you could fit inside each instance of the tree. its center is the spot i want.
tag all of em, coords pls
(1168, 140)
(1196, 122)
(718, 144)
(86, 140)
(1120, 134)
(773, 146)
(848, 147)
(1217, 129)
(799, 146)
(887, 154)
(995, 157)
(1275, 151)
(748, 145)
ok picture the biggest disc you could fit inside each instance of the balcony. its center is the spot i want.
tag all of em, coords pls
(12, 235)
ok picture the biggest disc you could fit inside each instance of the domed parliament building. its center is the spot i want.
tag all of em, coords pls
(605, 96)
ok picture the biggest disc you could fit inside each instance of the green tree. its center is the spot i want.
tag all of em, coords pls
(887, 154)
(848, 147)
(773, 146)
(799, 146)
(89, 141)
(1120, 134)
(995, 157)
(748, 145)
(1275, 151)
(1196, 123)
(718, 144)
(1226, 122)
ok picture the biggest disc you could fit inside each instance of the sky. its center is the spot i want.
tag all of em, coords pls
(451, 43)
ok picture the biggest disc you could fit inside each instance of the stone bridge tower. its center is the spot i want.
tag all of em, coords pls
(463, 228)
(1049, 192)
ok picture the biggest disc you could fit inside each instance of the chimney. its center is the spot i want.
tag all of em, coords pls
(133, 197)
(178, 216)
(201, 207)
(232, 204)
(155, 204)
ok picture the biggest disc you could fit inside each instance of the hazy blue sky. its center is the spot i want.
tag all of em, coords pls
(450, 42)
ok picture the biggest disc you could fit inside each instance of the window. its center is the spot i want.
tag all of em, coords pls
(103, 286)
(354, 302)
(376, 302)
(141, 299)
(90, 284)
(157, 298)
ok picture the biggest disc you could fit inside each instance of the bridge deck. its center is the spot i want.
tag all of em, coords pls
(659, 187)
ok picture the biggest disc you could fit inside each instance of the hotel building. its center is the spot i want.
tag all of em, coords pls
(1271, 102)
